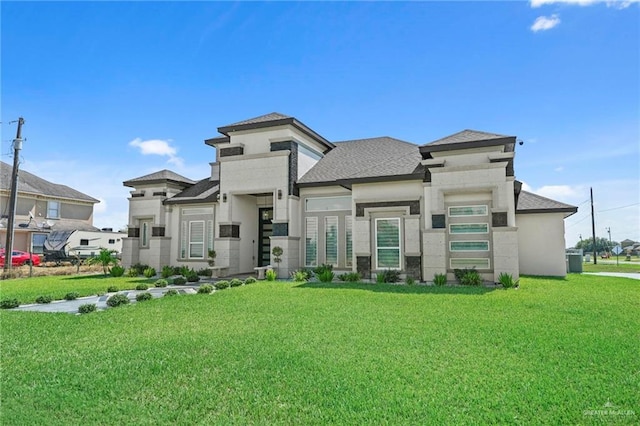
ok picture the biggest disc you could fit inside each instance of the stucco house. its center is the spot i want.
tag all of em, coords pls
(44, 207)
(363, 205)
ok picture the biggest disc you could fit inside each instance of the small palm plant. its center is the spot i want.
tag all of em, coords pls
(106, 258)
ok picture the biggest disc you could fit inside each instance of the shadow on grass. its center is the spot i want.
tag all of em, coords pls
(545, 277)
(398, 288)
(102, 277)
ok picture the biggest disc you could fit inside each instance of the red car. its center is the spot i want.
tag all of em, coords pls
(19, 258)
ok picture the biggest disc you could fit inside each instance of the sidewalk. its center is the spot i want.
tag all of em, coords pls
(632, 275)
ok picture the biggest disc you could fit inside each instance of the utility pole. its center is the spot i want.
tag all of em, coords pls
(593, 230)
(13, 198)
(610, 245)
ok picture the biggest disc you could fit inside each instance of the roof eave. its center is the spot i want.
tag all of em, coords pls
(428, 148)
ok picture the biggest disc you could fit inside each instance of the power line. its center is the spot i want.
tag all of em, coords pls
(618, 208)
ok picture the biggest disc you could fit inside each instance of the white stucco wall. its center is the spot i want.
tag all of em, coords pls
(541, 244)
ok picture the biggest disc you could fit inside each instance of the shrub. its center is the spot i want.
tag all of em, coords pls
(321, 268)
(440, 279)
(250, 280)
(73, 295)
(161, 283)
(380, 278)
(326, 276)
(205, 289)
(410, 281)
(172, 292)
(222, 284)
(133, 272)
(271, 275)
(299, 276)
(179, 281)
(139, 267)
(389, 276)
(9, 303)
(117, 271)
(235, 282)
(206, 272)
(193, 277)
(141, 297)
(166, 271)
(507, 280)
(43, 299)
(184, 271)
(142, 286)
(468, 276)
(149, 272)
(352, 277)
(87, 308)
(117, 300)
(112, 289)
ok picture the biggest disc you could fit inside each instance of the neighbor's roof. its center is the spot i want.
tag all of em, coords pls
(534, 203)
(159, 177)
(204, 191)
(271, 120)
(366, 160)
(466, 139)
(32, 184)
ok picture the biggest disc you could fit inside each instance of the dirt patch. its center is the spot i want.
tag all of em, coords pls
(50, 269)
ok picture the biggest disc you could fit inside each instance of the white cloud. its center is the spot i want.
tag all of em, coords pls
(559, 169)
(617, 4)
(561, 192)
(544, 23)
(157, 147)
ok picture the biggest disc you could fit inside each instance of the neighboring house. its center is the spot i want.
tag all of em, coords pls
(44, 207)
(364, 205)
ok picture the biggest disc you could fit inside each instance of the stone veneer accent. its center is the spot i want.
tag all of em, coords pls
(293, 163)
(413, 267)
(133, 232)
(231, 151)
(438, 221)
(414, 206)
(280, 229)
(498, 219)
(157, 231)
(363, 266)
(229, 231)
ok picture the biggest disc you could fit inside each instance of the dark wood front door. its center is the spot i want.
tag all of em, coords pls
(265, 230)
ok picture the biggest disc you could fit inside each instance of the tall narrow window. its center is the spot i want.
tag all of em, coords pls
(183, 240)
(144, 234)
(331, 240)
(196, 239)
(311, 242)
(210, 235)
(53, 210)
(388, 243)
(348, 226)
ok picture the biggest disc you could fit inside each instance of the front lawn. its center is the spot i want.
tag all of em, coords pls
(552, 352)
(623, 266)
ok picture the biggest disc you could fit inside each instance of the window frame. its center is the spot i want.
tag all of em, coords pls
(50, 209)
(398, 248)
(336, 240)
(316, 210)
(191, 243)
(472, 206)
(307, 220)
(469, 233)
(348, 241)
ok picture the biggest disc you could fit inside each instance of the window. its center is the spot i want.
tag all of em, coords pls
(112, 241)
(388, 243)
(469, 245)
(331, 240)
(348, 225)
(196, 239)
(311, 242)
(144, 234)
(468, 211)
(37, 243)
(327, 204)
(84, 242)
(53, 210)
(183, 240)
(210, 235)
(469, 228)
(461, 263)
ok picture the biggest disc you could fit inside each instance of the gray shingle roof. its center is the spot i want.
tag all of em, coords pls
(467, 139)
(467, 135)
(161, 176)
(272, 116)
(534, 203)
(30, 183)
(204, 191)
(366, 158)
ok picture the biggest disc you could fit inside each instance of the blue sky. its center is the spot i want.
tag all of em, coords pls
(113, 91)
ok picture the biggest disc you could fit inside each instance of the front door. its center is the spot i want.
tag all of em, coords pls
(265, 230)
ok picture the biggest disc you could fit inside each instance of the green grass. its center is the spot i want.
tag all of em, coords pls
(26, 290)
(609, 267)
(291, 353)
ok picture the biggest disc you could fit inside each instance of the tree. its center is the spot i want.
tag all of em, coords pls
(277, 252)
(105, 258)
(602, 244)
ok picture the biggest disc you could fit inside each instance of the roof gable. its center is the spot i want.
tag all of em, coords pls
(163, 176)
(204, 191)
(528, 202)
(32, 184)
(467, 139)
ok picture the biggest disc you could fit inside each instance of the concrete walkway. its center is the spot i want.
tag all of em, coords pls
(632, 275)
(71, 306)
